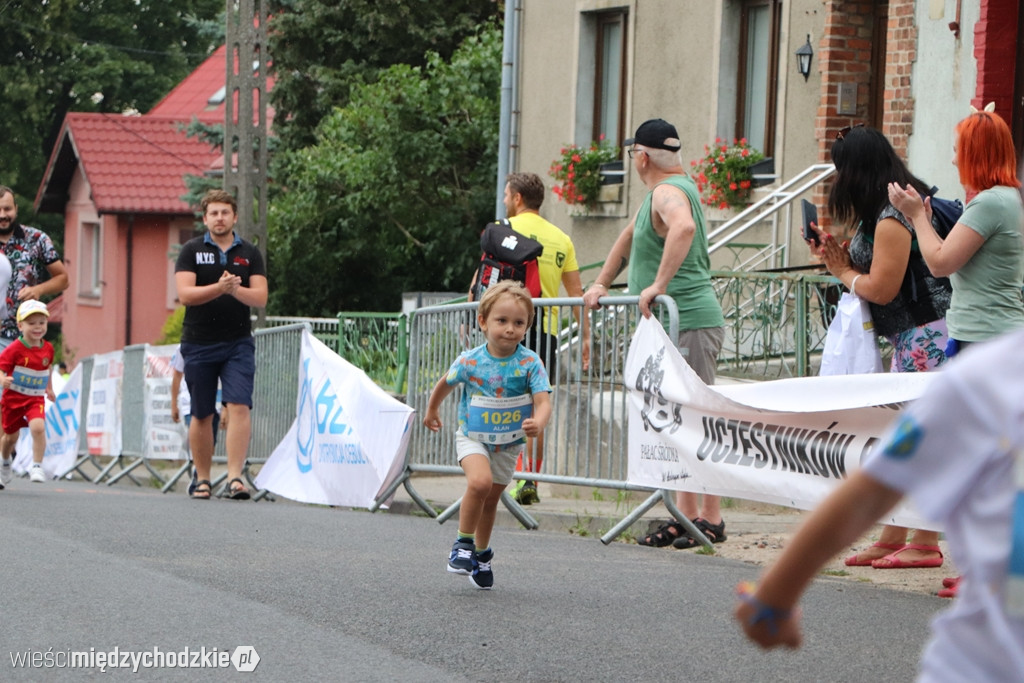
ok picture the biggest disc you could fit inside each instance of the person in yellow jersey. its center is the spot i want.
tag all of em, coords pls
(524, 194)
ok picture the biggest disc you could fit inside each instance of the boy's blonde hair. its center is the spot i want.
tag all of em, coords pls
(510, 288)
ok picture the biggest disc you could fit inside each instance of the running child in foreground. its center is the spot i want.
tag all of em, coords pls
(959, 452)
(25, 367)
(505, 398)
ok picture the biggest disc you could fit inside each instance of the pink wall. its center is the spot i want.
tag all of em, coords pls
(98, 324)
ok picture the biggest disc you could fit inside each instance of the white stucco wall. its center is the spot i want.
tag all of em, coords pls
(943, 82)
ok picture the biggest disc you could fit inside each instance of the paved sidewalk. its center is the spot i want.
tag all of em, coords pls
(756, 532)
(591, 511)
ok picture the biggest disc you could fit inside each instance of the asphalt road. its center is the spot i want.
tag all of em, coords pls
(326, 594)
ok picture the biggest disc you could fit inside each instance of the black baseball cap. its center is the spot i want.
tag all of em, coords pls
(656, 133)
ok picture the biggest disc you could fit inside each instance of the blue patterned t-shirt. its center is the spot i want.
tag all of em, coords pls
(483, 375)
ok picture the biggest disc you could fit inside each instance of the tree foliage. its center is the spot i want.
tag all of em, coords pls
(321, 50)
(90, 55)
(394, 194)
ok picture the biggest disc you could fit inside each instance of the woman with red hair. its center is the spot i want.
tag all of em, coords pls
(983, 255)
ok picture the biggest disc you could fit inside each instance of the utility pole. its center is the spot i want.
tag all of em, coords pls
(245, 117)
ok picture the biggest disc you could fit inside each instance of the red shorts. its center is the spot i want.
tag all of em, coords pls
(18, 413)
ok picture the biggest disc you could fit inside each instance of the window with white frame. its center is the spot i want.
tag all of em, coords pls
(90, 280)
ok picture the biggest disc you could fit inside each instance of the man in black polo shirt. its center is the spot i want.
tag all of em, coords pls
(219, 277)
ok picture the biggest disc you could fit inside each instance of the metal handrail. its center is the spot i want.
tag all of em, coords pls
(768, 208)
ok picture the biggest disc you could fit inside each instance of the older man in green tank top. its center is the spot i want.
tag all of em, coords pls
(666, 249)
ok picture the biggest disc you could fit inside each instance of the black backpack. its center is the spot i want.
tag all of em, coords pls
(945, 213)
(507, 255)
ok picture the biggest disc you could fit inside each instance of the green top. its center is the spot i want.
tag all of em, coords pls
(987, 289)
(691, 285)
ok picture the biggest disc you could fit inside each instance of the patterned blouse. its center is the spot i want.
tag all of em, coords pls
(30, 251)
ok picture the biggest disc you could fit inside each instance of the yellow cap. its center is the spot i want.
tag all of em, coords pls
(31, 306)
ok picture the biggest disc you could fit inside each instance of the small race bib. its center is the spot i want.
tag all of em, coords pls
(29, 382)
(498, 420)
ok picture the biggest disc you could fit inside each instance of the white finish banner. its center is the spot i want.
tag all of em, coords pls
(348, 441)
(163, 437)
(103, 415)
(787, 442)
(62, 423)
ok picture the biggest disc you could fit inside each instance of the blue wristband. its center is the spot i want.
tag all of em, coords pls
(766, 613)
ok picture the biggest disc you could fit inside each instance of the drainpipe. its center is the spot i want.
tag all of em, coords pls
(509, 54)
(128, 289)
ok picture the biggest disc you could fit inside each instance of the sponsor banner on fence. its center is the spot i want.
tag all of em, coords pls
(349, 438)
(787, 442)
(103, 414)
(61, 428)
(163, 437)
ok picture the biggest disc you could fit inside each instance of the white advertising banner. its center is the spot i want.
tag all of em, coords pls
(349, 438)
(787, 442)
(62, 423)
(163, 437)
(103, 414)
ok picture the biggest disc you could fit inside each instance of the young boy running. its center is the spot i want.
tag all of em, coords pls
(505, 398)
(25, 375)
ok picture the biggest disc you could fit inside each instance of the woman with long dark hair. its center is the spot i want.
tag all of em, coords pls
(883, 266)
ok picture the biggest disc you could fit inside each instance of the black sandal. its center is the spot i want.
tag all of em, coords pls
(714, 532)
(664, 535)
(202, 490)
(241, 493)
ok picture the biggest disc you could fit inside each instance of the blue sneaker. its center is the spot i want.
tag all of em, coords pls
(482, 576)
(460, 561)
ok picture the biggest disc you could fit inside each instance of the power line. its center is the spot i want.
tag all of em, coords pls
(73, 38)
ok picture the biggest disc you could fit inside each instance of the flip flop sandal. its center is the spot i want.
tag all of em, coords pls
(855, 561)
(202, 490)
(240, 493)
(714, 532)
(664, 535)
(892, 560)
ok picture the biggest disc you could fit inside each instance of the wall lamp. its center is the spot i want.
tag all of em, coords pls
(804, 53)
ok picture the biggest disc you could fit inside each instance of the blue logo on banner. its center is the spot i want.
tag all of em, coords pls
(305, 428)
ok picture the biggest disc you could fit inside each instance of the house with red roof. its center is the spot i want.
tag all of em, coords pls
(118, 180)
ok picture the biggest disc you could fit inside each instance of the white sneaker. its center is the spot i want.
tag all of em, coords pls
(5, 473)
(36, 474)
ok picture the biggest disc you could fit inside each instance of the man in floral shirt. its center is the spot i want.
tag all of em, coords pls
(29, 252)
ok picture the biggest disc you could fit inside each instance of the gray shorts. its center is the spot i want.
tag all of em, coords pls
(503, 460)
(700, 348)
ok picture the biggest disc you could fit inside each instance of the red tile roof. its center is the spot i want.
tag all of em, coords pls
(137, 164)
(134, 164)
(191, 97)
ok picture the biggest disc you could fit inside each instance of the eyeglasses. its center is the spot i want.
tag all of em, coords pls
(843, 132)
(633, 150)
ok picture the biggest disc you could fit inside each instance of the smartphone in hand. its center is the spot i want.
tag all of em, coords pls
(810, 216)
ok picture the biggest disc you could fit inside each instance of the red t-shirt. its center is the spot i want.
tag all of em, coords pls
(29, 367)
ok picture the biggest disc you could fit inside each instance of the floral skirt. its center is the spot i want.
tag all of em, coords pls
(919, 349)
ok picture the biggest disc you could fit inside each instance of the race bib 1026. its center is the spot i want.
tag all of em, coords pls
(498, 420)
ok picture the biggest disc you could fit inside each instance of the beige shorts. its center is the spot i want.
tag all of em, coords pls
(503, 460)
(700, 348)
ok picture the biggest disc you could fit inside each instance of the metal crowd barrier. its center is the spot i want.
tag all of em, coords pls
(275, 391)
(585, 442)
